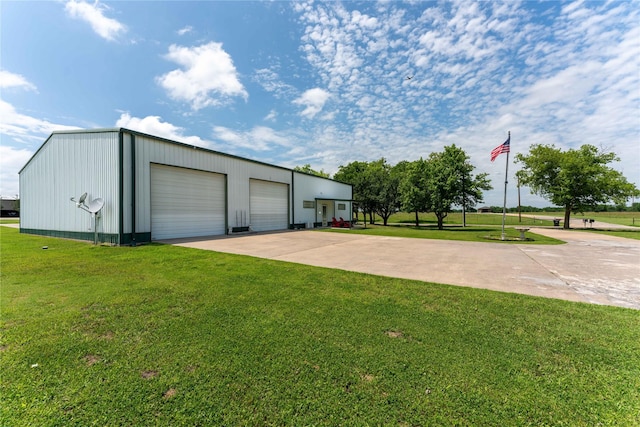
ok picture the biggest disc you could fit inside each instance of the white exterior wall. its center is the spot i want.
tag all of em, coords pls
(310, 188)
(238, 172)
(115, 164)
(66, 166)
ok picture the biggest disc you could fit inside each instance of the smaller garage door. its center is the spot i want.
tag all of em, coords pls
(269, 205)
(186, 203)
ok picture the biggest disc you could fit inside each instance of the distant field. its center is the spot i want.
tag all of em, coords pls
(539, 218)
(621, 218)
(455, 218)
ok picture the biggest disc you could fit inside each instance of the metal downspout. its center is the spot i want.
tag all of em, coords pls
(133, 189)
(121, 187)
(293, 202)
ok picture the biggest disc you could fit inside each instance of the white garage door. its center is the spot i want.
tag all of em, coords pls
(269, 205)
(186, 203)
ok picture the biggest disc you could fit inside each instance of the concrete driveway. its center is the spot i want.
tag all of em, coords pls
(590, 268)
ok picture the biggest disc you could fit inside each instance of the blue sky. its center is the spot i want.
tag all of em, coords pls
(326, 83)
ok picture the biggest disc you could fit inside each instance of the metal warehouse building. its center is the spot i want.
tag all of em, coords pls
(153, 188)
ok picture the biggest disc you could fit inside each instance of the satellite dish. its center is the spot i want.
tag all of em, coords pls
(95, 205)
(93, 208)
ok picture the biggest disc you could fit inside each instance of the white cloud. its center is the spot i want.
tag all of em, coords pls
(153, 125)
(185, 30)
(270, 81)
(266, 135)
(207, 78)
(11, 161)
(260, 138)
(24, 128)
(313, 100)
(107, 28)
(566, 75)
(271, 117)
(9, 80)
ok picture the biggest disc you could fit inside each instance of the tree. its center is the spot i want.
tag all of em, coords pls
(470, 190)
(414, 189)
(355, 174)
(450, 181)
(308, 170)
(375, 186)
(575, 179)
(385, 185)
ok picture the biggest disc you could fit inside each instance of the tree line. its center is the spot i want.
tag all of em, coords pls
(434, 184)
(575, 180)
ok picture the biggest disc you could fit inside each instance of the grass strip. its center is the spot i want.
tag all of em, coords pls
(620, 218)
(468, 234)
(162, 335)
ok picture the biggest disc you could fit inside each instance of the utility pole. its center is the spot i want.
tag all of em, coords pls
(519, 213)
(464, 203)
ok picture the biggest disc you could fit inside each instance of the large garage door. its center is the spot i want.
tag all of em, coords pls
(269, 205)
(186, 203)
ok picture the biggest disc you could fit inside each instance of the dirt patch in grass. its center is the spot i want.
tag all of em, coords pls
(91, 359)
(3, 347)
(368, 378)
(394, 334)
(147, 375)
(169, 393)
(107, 336)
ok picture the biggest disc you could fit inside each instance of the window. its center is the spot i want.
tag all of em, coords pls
(342, 206)
(308, 204)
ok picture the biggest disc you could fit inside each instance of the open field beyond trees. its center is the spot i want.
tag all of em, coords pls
(472, 218)
(163, 335)
(528, 218)
(621, 218)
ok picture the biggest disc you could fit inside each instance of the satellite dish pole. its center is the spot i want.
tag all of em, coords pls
(94, 207)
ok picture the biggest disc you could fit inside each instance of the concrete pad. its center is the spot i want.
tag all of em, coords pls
(589, 268)
(603, 269)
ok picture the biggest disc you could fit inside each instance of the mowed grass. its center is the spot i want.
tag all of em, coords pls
(468, 234)
(162, 335)
(621, 218)
(511, 219)
(471, 218)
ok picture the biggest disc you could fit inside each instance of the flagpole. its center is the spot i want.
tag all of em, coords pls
(506, 180)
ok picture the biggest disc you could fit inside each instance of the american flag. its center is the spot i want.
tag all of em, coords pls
(502, 148)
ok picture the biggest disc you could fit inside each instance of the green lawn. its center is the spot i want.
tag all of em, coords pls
(473, 218)
(470, 233)
(162, 335)
(621, 218)
(455, 218)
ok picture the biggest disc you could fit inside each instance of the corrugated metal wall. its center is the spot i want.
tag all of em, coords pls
(150, 150)
(67, 165)
(115, 165)
(308, 188)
